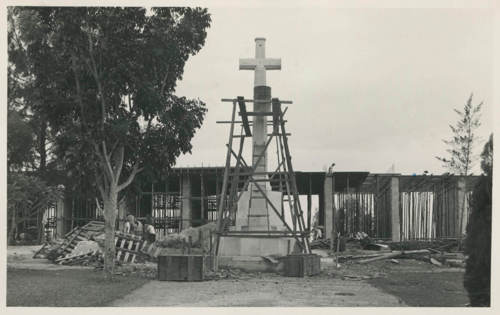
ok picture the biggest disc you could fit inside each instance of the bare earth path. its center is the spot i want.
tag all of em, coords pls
(272, 290)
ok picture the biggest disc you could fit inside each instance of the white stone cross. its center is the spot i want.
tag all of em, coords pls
(260, 63)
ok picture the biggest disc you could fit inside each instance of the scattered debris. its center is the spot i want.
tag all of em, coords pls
(320, 243)
(80, 258)
(84, 246)
(356, 277)
(77, 246)
(231, 273)
(437, 246)
(394, 255)
(270, 259)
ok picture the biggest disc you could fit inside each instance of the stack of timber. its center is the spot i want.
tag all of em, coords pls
(84, 245)
(69, 244)
(130, 246)
(428, 255)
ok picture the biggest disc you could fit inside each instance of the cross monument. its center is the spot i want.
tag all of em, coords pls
(257, 216)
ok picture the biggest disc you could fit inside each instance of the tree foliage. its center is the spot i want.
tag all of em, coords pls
(461, 145)
(20, 142)
(28, 197)
(106, 79)
(26, 95)
(477, 280)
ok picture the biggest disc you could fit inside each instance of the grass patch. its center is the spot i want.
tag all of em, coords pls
(66, 287)
(425, 288)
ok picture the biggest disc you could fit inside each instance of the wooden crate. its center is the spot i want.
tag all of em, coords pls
(302, 265)
(181, 267)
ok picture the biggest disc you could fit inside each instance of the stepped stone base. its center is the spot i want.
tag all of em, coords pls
(255, 246)
(244, 223)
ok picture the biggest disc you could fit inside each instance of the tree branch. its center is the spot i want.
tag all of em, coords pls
(131, 177)
(101, 190)
(78, 90)
(118, 159)
(102, 160)
(93, 69)
(114, 180)
(164, 81)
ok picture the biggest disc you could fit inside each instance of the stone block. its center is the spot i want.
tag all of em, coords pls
(181, 268)
(302, 265)
(248, 246)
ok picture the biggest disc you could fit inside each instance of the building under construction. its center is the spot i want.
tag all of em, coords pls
(385, 206)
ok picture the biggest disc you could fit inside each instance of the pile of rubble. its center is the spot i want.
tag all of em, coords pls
(84, 245)
(360, 248)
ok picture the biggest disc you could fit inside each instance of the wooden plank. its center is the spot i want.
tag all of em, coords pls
(257, 114)
(225, 181)
(254, 101)
(70, 240)
(119, 249)
(244, 117)
(136, 249)
(276, 106)
(130, 251)
(130, 244)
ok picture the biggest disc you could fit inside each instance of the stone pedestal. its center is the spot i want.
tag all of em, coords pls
(258, 219)
(257, 246)
(254, 246)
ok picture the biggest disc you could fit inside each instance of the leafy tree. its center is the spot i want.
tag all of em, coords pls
(20, 142)
(109, 77)
(28, 197)
(26, 95)
(477, 279)
(461, 145)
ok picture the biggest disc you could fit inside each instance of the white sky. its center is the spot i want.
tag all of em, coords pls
(371, 87)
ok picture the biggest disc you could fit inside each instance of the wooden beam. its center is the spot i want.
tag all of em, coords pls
(244, 117)
(309, 204)
(257, 114)
(202, 192)
(276, 106)
(253, 101)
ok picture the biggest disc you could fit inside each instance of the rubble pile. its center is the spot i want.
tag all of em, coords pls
(84, 245)
(360, 248)
(194, 238)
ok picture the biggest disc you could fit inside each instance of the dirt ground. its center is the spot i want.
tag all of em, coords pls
(263, 290)
(414, 282)
(405, 282)
(431, 289)
(77, 287)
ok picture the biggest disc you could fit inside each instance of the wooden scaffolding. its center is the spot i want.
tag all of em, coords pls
(242, 174)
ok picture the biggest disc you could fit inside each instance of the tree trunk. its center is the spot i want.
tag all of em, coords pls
(109, 187)
(13, 227)
(110, 213)
(42, 139)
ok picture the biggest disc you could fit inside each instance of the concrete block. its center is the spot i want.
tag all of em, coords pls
(302, 265)
(248, 246)
(181, 268)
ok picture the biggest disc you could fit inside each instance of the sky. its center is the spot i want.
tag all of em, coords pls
(371, 88)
